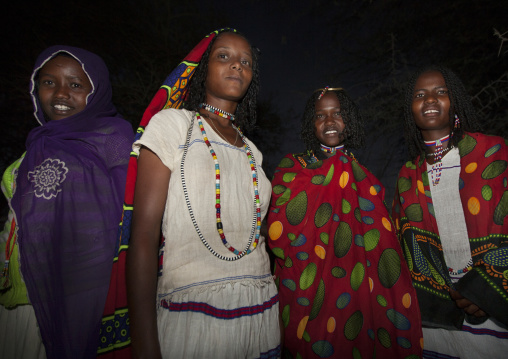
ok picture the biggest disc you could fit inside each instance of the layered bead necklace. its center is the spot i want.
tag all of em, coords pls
(438, 155)
(256, 221)
(327, 149)
(217, 111)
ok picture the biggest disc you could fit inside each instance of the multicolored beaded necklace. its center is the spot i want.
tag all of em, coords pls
(466, 269)
(217, 111)
(331, 149)
(438, 155)
(256, 222)
(438, 142)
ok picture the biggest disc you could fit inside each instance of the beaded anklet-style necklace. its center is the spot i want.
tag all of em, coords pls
(256, 221)
(438, 142)
(438, 155)
(217, 111)
(467, 268)
(331, 149)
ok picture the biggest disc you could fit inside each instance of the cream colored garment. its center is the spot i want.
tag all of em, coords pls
(450, 214)
(191, 274)
(19, 334)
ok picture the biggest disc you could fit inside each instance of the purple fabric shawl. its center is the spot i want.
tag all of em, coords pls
(67, 203)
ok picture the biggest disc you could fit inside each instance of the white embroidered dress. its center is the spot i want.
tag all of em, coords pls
(208, 307)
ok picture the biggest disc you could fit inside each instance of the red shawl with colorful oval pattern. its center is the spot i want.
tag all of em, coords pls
(344, 288)
(483, 184)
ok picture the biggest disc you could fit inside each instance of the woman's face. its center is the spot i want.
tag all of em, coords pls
(229, 69)
(63, 88)
(431, 104)
(328, 122)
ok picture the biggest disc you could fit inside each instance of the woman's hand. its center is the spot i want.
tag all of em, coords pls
(465, 304)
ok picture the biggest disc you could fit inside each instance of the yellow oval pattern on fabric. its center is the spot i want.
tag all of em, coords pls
(371, 284)
(470, 168)
(301, 327)
(473, 205)
(344, 179)
(373, 190)
(330, 325)
(275, 230)
(387, 224)
(406, 300)
(320, 251)
(420, 186)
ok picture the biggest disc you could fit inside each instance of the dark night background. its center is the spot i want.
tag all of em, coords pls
(368, 47)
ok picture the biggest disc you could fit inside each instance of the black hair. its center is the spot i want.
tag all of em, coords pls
(460, 105)
(354, 136)
(246, 110)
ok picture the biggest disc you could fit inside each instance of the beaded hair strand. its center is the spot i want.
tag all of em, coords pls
(246, 110)
(354, 133)
(460, 105)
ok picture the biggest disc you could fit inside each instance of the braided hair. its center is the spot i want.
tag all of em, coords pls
(245, 115)
(354, 136)
(460, 105)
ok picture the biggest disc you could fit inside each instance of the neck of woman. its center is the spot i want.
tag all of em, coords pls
(222, 117)
(436, 149)
(330, 151)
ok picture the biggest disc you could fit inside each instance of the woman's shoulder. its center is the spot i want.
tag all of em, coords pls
(410, 166)
(174, 119)
(476, 144)
(482, 137)
(122, 126)
(174, 115)
(288, 161)
(303, 158)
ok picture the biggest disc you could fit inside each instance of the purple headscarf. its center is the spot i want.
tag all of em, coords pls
(67, 203)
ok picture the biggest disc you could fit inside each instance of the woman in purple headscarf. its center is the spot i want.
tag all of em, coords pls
(65, 195)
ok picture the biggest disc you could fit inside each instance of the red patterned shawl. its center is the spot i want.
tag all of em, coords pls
(344, 288)
(483, 187)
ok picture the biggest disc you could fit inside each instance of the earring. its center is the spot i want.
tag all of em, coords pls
(457, 122)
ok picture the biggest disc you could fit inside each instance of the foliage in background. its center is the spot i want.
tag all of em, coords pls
(382, 42)
(374, 46)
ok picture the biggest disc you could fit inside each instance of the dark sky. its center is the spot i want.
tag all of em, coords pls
(304, 45)
(299, 53)
(294, 41)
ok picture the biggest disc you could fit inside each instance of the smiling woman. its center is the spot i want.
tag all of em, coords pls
(344, 290)
(450, 210)
(65, 193)
(329, 124)
(431, 106)
(63, 87)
